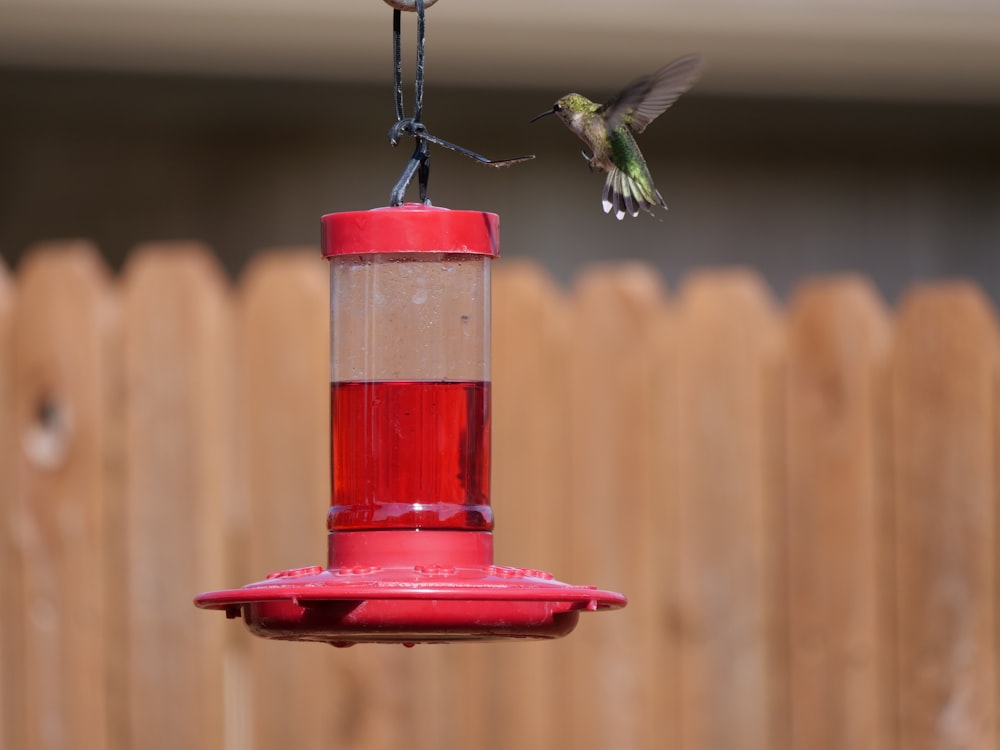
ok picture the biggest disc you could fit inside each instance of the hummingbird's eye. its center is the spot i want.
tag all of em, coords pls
(557, 107)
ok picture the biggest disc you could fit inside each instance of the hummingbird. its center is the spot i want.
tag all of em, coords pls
(608, 130)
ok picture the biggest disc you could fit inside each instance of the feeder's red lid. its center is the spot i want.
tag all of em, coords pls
(411, 228)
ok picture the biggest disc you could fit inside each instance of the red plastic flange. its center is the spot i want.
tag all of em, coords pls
(410, 587)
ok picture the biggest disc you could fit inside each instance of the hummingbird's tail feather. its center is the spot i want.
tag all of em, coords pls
(627, 195)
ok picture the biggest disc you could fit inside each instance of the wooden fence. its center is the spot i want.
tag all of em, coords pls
(799, 502)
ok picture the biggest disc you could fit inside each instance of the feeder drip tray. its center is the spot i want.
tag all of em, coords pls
(410, 587)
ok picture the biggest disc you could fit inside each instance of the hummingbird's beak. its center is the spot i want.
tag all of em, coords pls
(546, 112)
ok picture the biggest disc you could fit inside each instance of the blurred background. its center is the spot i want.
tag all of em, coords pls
(827, 134)
(800, 499)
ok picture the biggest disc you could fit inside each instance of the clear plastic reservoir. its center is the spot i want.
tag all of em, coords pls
(410, 370)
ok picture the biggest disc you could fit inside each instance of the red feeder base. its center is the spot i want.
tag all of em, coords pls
(410, 587)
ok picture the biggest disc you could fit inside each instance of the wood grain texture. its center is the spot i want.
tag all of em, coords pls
(619, 505)
(531, 495)
(303, 695)
(65, 370)
(178, 360)
(730, 591)
(944, 371)
(838, 538)
(801, 507)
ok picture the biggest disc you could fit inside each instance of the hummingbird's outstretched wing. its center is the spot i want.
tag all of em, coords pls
(646, 98)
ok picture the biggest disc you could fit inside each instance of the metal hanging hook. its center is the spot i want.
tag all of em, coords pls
(419, 162)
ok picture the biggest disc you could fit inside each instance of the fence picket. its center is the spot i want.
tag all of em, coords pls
(618, 321)
(729, 596)
(944, 436)
(838, 541)
(307, 696)
(11, 649)
(531, 495)
(177, 339)
(284, 411)
(65, 369)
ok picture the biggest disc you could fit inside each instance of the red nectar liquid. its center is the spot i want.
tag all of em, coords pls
(410, 454)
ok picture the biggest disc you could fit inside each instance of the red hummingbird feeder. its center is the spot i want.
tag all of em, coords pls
(410, 523)
(410, 556)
